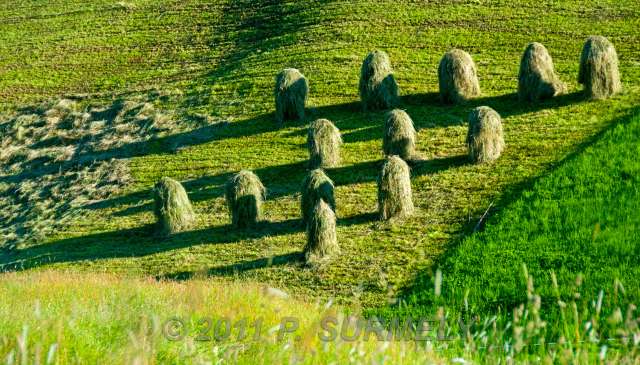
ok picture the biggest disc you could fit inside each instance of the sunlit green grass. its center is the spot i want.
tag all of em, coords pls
(579, 220)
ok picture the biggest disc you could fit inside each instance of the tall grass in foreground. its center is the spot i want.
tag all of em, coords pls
(58, 318)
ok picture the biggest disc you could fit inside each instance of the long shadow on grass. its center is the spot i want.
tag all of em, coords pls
(134, 242)
(140, 242)
(419, 296)
(357, 126)
(293, 258)
(280, 181)
(255, 27)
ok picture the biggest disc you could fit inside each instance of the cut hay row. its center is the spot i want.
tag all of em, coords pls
(81, 142)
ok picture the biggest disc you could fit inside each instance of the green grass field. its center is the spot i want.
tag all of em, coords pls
(206, 70)
(576, 221)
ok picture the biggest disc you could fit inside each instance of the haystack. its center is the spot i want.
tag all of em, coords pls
(394, 189)
(324, 142)
(485, 140)
(378, 87)
(172, 208)
(315, 187)
(399, 135)
(291, 92)
(322, 242)
(599, 68)
(537, 80)
(457, 77)
(244, 194)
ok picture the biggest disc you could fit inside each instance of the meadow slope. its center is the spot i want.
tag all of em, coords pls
(217, 62)
(573, 230)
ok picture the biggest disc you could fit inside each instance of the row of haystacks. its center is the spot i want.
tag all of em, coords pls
(458, 79)
(245, 193)
(485, 140)
(458, 83)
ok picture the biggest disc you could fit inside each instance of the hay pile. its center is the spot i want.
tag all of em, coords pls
(172, 208)
(394, 189)
(324, 142)
(485, 140)
(322, 242)
(316, 186)
(378, 87)
(399, 135)
(537, 80)
(457, 77)
(291, 94)
(244, 194)
(599, 68)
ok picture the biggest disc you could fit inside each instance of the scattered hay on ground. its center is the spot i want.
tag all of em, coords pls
(63, 156)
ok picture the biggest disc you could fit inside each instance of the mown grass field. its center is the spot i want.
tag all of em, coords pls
(217, 63)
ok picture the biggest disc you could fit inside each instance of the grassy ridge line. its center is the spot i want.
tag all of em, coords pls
(580, 219)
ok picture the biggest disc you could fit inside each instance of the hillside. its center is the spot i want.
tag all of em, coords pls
(209, 68)
(572, 230)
